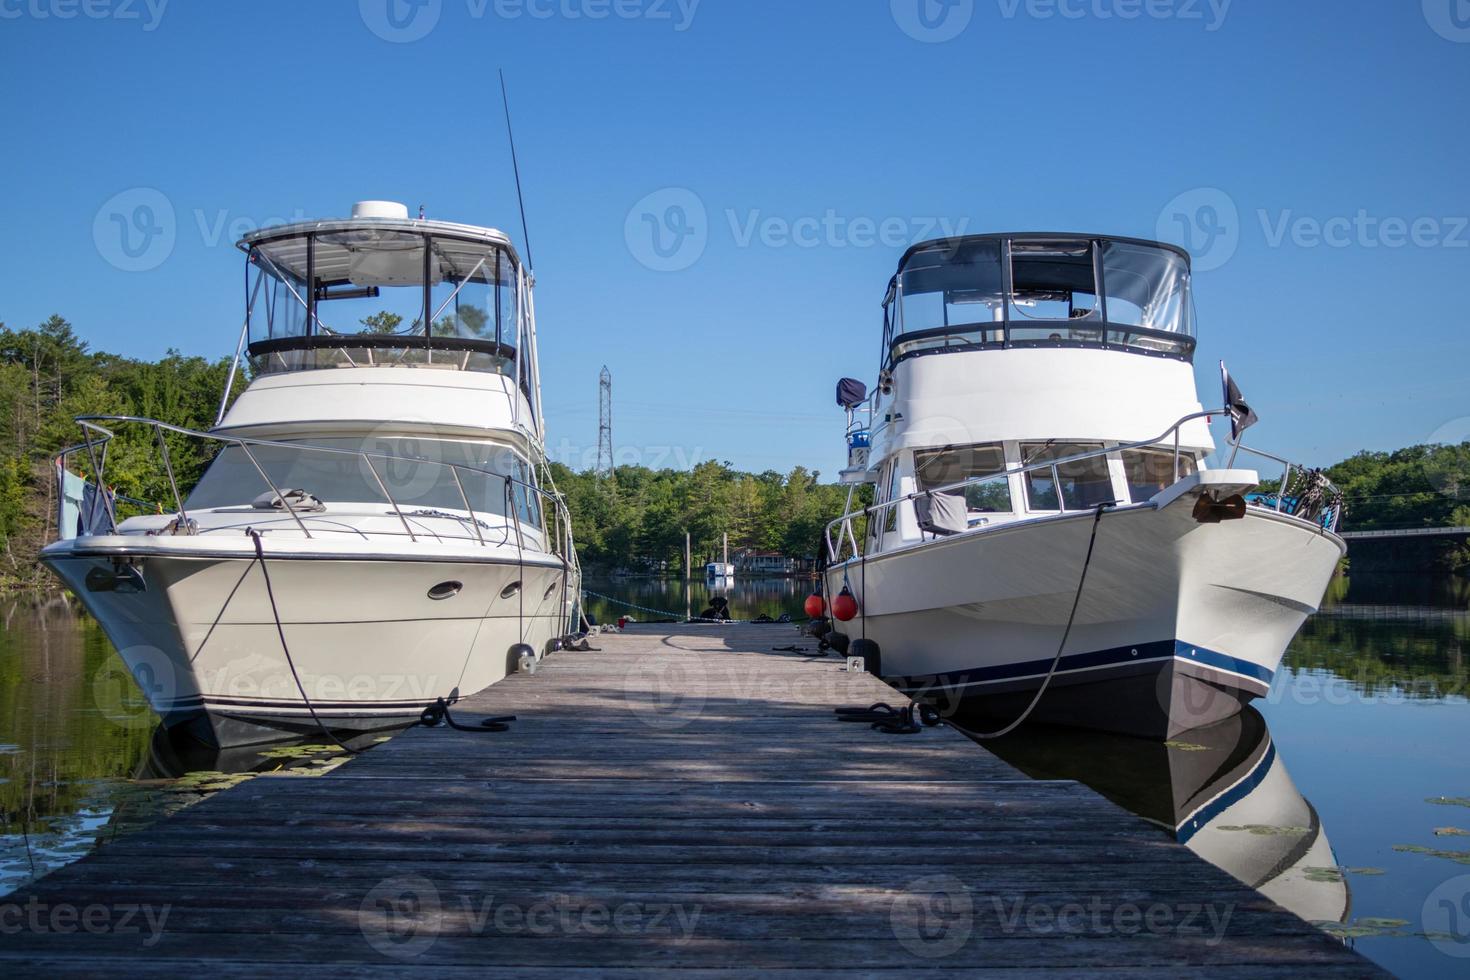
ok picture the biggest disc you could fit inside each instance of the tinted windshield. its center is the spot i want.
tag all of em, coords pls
(362, 296)
(1041, 291)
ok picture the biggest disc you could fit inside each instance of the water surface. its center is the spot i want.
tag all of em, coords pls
(1349, 790)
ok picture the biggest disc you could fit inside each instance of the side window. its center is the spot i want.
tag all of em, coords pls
(1152, 470)
(527, 500)
(1085, 483)
(890, 521)
(946, 467)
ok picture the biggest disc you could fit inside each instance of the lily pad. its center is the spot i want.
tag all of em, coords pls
(1186, 746)
(1364, 871)
(1269, 830)
(1460, 857)
(1373, 922)
(1323, 874)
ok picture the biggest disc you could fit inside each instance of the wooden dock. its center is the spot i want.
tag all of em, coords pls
(683, 800)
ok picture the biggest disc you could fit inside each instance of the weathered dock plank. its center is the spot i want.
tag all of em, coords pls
(682, 801)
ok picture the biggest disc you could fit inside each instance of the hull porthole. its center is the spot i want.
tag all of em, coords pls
(510, 590)
(445, 590)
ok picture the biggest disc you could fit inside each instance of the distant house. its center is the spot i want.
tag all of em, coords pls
(766, 563)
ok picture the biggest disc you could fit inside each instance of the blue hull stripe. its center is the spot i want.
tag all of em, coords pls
(1099, 659)
(1201, 819)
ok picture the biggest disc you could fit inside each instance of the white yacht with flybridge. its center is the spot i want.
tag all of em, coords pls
(376, 528)
(1046, 539)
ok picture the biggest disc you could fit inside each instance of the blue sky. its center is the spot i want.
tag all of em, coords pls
(1314, 154)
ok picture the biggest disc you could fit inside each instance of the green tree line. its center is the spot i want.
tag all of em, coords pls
(637, 517)
(634, 519)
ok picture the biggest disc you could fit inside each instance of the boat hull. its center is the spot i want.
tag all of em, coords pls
(368, 645)
(1178, 625)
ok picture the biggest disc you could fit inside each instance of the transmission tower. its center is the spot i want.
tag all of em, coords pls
(604, 425)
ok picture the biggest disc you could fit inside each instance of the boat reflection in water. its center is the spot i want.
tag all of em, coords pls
(175, 754)
(1221, 790)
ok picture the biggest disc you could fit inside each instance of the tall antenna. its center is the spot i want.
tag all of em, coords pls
(604, 424)
(515, 165)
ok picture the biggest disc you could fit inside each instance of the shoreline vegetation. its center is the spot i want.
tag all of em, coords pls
(633, 521)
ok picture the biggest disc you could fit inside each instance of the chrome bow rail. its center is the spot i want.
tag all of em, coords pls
(845, 546)
(98, 437)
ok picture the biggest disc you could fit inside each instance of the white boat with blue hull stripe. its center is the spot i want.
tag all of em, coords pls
(1045, 521)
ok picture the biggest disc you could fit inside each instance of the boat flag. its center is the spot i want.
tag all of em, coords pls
(1242, 416)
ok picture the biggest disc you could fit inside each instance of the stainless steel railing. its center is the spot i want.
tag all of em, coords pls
(846, 541)
(557, 531)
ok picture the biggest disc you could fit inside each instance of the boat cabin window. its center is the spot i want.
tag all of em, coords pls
(415, 481)
(952, 296)
(1147, 288)
(938, 468)
(1084, 483)
(1054, 292)
(984, 292)
(1152, 470)
(362, 296)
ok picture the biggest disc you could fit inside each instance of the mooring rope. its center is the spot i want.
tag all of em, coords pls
(1066, 634)
(678, 617)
